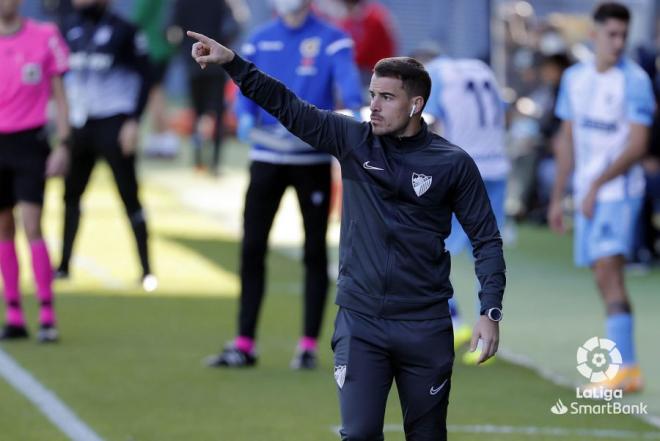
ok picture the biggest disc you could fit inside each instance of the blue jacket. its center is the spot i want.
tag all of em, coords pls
(313, 60)
(399, 195)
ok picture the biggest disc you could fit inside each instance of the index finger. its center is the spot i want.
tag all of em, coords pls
(199, 37)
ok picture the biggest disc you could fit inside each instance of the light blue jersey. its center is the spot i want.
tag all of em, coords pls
(313, 60)
(601, 106)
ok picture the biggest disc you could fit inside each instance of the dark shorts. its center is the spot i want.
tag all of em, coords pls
(23, 167)
(371, 353)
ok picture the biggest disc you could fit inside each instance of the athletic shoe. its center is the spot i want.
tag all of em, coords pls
(304, 360)
(61, 274)
(628, 379)
(472, 358)
(231, 356)
(462, 336)
(13, 332)
(48, 334)
(149, 283)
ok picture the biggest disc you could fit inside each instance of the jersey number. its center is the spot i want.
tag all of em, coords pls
(486, 96)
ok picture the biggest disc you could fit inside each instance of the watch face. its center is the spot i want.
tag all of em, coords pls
(495, 314)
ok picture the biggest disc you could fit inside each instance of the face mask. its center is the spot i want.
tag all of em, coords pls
(284, 7)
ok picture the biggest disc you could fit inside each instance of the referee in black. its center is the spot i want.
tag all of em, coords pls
(401, 185)
(107, 88)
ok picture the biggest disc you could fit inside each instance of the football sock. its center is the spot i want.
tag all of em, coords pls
(620, 330)
(308, 344)
(43, 276)
(9, 269)
(245, 344)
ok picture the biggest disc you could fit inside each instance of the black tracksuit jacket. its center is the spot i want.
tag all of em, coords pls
(398, 198)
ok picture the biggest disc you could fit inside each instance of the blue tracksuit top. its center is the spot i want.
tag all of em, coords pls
(315, 61)
(398, 198)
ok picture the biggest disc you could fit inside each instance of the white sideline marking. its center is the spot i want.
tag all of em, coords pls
(45, 400)
(559, 432)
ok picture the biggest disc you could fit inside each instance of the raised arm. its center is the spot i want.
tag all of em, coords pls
(323, 130)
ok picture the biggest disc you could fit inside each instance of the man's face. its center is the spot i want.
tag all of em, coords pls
(9, 8)
(610, 40)
(390, 105)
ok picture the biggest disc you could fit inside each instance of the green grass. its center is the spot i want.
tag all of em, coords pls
(131, 368)
(130, 365)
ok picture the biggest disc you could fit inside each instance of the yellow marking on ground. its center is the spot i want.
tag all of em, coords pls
(105, 259)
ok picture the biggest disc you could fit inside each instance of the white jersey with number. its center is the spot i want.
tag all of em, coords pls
(465, 98)
(601, 107)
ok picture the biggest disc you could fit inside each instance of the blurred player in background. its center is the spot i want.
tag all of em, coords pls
(318, 58)
(469, 111)
(33, 57)
(107, 88)
(606, 106)
(151, 16)
(206, 87)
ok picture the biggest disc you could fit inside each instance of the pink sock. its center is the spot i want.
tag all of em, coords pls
(245, 344)
(308, 344)
(43, 276)
(9, 269)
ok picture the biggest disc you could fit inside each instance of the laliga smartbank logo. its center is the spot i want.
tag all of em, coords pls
(599, 361)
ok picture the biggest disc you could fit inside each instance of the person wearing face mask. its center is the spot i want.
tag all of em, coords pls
(314, 59)
(107, 88)
(402, 183)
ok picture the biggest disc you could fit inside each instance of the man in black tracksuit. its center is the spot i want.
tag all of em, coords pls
(107, 89)
(401, 185)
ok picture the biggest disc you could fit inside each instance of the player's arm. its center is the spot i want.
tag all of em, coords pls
(640, 107)
(473, 210)
(58, 160)
(562, 146)
(324, 130)
(345, 73)
(634, 152)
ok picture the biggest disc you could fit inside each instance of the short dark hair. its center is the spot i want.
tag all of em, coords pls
(416, 80)
(561, 60)
(605, 11)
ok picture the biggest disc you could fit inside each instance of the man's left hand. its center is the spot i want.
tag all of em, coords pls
(128, 137)
(488, 332)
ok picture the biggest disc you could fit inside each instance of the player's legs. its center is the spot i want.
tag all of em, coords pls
(14, 318)
(312, 184)
(363, 373)
(609, 241)
(424, 356)
(83, 158)
(267, 185)
(30, 185)
(216, 105)
(123, 170)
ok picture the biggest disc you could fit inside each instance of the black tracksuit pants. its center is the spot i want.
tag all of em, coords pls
(267, 185)
(371, 352)
(99, 138)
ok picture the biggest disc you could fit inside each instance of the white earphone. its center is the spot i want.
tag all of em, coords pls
(412, 111)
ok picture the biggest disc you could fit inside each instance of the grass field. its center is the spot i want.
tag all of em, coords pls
(130, 364)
